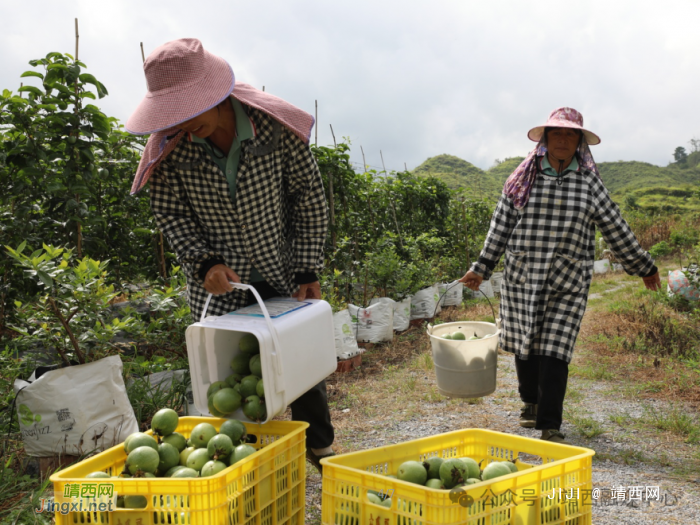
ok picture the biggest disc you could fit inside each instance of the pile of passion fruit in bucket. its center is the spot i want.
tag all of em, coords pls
(172, 455)
(244, 387)
(460, 336)
(443, 474)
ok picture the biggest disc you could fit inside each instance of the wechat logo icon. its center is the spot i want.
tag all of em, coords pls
(459, 495)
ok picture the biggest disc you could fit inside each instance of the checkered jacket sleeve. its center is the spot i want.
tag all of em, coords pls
(308, 205)
(617, 233)
(176, 219)
(504, 219)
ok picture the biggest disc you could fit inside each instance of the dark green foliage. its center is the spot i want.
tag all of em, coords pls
(66, 170)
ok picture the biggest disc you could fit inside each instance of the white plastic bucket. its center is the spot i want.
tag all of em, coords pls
(297, 348)
(465, 368)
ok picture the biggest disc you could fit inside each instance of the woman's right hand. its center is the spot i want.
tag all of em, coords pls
(471, 280)
(217, 280)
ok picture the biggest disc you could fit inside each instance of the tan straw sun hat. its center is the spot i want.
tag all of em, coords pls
(184, 80)
(564, 118)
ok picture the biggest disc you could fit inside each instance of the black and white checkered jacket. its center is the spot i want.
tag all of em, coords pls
(549, 250)
(278, 222)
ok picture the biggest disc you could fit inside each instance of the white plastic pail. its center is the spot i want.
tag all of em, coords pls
(465, 368)
(297, 348)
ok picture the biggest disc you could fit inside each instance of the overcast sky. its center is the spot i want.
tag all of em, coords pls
(410, 79)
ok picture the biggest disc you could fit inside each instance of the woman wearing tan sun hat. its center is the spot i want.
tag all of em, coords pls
(235, 188)
(545, 225)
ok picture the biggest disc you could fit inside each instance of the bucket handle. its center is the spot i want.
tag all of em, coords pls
(279, 381)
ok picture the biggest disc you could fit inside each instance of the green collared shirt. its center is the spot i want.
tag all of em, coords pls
(547, 168)
(229, 164)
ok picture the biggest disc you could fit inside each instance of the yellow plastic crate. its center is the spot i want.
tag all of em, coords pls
(266, 488)
(529, 496)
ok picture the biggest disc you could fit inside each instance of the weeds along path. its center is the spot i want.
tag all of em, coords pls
(641, 439)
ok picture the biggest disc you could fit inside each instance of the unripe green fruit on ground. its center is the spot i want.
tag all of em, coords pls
(164, 421)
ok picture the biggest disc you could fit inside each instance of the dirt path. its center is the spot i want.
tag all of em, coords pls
(392, 398)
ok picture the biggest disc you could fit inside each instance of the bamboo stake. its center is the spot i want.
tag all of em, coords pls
(405, 168)
(382, 156)
(331, 198)
(76, 109)
(143, 56)
(364, 162)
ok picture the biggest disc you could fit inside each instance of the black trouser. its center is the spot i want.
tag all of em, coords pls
(312, 406)
(542, 381)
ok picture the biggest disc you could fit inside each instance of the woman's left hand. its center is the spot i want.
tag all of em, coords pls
(308, 291)
(653, 282)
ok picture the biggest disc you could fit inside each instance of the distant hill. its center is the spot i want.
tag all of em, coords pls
(672, 187)
(459, 174)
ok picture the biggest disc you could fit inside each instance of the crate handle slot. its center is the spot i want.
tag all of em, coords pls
(279, 381)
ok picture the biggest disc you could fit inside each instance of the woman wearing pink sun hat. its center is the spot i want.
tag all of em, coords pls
(545, 224)
(236, 190)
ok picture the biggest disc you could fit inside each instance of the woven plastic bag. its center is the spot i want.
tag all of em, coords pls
(75, 410)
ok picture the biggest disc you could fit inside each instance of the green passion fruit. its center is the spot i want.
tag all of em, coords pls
(249, 344)
(234, 429)
(164, 421)
(413, 472)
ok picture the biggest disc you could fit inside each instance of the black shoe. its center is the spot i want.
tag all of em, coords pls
(554, 436)
(316, 460)
(528, 415)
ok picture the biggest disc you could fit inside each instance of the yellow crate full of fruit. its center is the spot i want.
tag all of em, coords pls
(467, 477)
(225, 472)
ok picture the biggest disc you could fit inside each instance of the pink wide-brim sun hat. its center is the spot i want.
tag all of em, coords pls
(184, 80)
(564, 118)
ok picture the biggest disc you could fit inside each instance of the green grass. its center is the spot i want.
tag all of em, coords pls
(596, 372)
(584, 425)
(677, 421)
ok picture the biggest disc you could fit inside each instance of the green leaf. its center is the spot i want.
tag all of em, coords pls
(31, 89)
(21, 247)
(45, 278)
(88, 94)
(64, 89)
(31, 74)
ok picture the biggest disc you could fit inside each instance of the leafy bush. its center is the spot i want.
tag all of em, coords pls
(660, 249)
